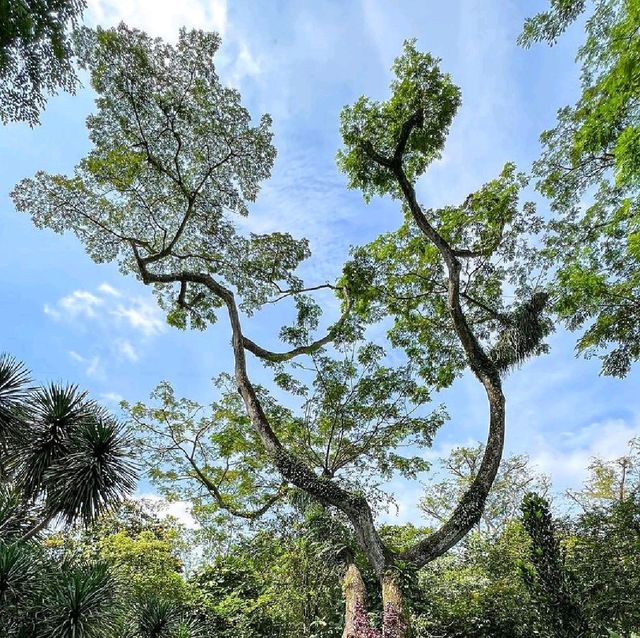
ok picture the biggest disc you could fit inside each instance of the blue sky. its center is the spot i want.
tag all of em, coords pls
(71, 319)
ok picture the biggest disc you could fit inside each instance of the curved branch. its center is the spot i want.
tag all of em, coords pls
(377, 157)
(250, 515)
(277, 357)
(416, 120)
(469, 510)
(467, 252)
(291, 468)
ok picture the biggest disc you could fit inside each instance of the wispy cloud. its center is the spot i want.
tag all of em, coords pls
(567, 457)
(181, 510)
(92, 365)
(142, 315)
(107, 289)
(79, 303)
(126, 350)
(111, 397)
(120, 325)
(242, 64)
(139, 313)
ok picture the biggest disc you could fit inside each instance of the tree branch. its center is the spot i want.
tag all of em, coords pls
(276, 357)
(416, 120)
(469, 510)
(291, 468)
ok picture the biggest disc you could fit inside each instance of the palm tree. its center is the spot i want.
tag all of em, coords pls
(63, 458)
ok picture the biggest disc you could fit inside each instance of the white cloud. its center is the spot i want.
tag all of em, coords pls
(106, 289)
(92, 365)
(78, 303)
(181, 510)
(118, 322)
(112, 397)
(244, 64)
(161, 17)
(566, 460)
(142, 315)
(127, 350)
(139, 313)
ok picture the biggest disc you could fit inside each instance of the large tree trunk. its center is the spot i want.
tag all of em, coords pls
(354, 598)
(396, 623)
(395, 617)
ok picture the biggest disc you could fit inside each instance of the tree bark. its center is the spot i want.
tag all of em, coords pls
(354, 600)
(396, 622)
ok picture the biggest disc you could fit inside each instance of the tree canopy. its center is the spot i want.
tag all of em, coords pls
(175, 164)
(589, 171)
(35, 54)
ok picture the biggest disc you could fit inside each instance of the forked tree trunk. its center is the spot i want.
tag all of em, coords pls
(395, 616)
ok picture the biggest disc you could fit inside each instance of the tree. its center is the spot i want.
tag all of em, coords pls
(282, 581)
(441, 274)
(610, 481)
(514, 479)
(553, 584)
(356, 413)
(590, 171)
(41, 597)
(175, 157)
(63, 456)
(584, 573)
(603, 560)
(143, 551)
(478, 591)
(118, 578)
(35, 54)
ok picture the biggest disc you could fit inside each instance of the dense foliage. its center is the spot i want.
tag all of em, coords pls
(284, 579)
(590, 172)
(136, 573)
(66, 460)
(35, 54)
(63, 457)
(175, 160)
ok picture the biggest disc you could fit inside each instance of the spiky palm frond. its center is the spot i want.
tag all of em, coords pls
(19, 574)
(55, 411)
(155, 617)
(16, 516)
(79, 603)
(95, 472)
(22, 574)
(14, 390)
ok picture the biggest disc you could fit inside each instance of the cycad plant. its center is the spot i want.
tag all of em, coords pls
(155, 617)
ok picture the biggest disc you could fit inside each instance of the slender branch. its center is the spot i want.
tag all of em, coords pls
(466, 252)
(276, 357)
(416, 120)
(36, 529)
(212, 488)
